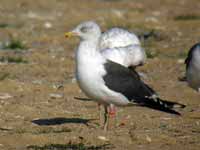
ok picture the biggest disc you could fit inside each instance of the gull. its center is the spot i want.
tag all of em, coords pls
(193, 67)
(109, 83)
(123, 47)
(118, 37)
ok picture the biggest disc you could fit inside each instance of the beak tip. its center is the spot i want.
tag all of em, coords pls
(70, 34)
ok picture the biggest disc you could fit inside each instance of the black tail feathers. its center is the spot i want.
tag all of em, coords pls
(162, 105)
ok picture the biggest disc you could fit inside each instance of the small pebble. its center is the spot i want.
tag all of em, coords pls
(55, 95)
(37, 82)
(148, 138)
(181, 61)
(48, 25)
(5, 96)
(103, 138)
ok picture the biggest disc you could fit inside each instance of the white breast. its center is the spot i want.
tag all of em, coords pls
(89, 74)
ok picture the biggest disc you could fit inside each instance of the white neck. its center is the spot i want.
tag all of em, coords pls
(88, 53)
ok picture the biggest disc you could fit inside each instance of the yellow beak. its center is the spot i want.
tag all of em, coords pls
(70, 34)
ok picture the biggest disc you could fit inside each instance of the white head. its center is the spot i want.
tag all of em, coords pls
(88, 30)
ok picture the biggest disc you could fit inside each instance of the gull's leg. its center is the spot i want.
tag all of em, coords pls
(101, 119)
(113, 113)
(110, 112)
(106, 118)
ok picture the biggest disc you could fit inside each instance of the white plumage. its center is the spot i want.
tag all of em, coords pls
(123, 47)
(132, 55)
(117, 37)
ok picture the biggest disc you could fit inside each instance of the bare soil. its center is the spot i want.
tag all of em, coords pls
(40, 112)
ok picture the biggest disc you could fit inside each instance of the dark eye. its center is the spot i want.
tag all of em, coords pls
(84, 29)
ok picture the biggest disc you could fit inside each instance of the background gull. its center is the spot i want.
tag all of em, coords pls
(107, 82)
(118, 37)
(123, 47)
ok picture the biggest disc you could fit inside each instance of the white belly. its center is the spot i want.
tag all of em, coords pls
(92, 84)
(89, 74)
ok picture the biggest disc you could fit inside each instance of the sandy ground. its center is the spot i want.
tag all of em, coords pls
(37, 106)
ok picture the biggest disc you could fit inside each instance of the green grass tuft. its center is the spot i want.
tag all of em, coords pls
(15, 45)
(151, 54)
(4, 25)
(9, 59)
(187, 17)
(69, 146)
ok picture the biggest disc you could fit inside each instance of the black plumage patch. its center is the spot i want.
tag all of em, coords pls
(127, 82)
(189, 57)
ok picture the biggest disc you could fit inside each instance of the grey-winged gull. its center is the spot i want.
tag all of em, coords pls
(118, 37)
(123, 47)
(193, 67)
(107, 82)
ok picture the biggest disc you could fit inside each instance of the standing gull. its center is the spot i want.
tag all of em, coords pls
(122, 47)
(107, 82)
(193, 67)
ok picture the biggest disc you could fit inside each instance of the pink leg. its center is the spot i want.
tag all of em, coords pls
(112, 110)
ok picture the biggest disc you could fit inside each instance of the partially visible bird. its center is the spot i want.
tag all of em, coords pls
(109, 83)
(193, 67)
(118, 37)
(130, 56)
(123, 47)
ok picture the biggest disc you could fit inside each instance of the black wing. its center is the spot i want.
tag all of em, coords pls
(189, 57)
(127, 82)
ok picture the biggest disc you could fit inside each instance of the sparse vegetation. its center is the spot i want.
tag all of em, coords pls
(69, 146)
(4, 75)
(9, 25)
(15, 44)
(187, 17)
(9, 59)
(45, 130)
(3, 25)
(151, 54)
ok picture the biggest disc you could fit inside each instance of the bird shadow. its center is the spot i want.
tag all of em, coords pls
(59, 121)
